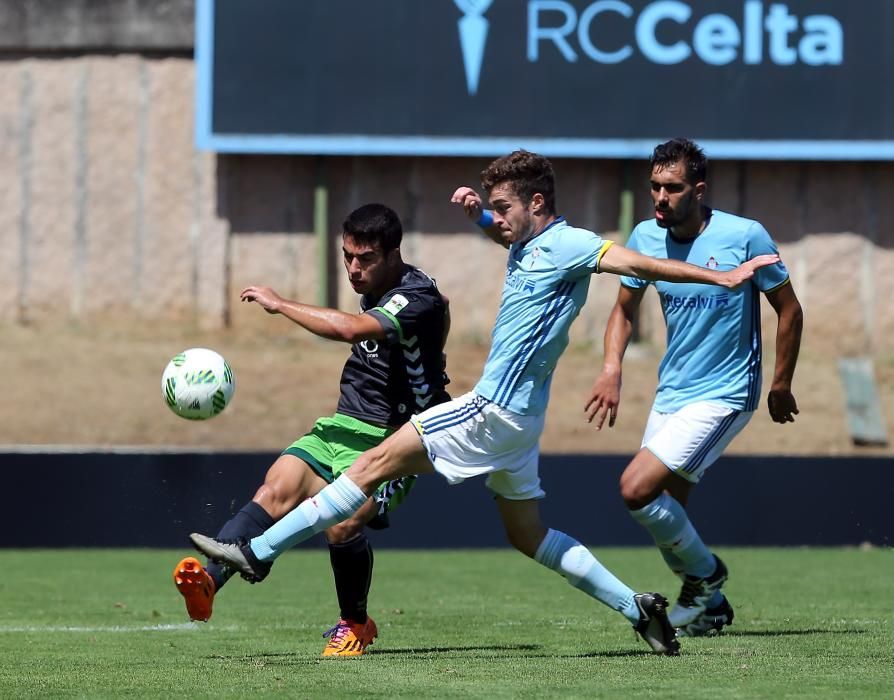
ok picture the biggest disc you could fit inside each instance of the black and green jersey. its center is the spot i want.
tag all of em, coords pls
(386, 381)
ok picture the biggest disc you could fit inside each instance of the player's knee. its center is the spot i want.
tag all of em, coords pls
(277, 500)
(369, 470)
(526, 540)
(636, 492)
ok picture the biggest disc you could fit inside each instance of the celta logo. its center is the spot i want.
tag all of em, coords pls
(473, 29)
(717, 39)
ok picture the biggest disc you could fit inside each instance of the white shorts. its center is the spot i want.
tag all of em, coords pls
(691, 439)
(470, 436)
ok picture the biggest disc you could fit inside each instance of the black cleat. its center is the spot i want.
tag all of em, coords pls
(653, 625)
(235, 553)
(711, 622)
(695, 594)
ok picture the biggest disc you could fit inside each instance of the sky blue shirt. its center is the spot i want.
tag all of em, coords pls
(546, 285)
(713, 334)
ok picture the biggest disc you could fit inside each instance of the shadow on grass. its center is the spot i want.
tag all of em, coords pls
(294, 658)
(784, 633)
(439, 650)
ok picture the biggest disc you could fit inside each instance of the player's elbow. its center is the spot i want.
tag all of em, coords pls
(793, 317)
(350, 335)
(351, 330)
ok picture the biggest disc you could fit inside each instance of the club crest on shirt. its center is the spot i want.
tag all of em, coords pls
(396, 304)
(711, 264)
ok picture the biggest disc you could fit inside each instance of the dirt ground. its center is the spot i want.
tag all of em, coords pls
(101, 386)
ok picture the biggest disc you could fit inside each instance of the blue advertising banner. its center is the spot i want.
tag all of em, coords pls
(800, 79)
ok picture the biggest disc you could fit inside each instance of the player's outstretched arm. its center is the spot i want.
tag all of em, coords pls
(623, 261)
(471, 203)
(605, 396)
(324, 322)
(780, 400)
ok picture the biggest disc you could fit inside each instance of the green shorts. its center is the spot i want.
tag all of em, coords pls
(334, 443)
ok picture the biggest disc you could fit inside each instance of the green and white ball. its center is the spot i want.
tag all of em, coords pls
(197, 384)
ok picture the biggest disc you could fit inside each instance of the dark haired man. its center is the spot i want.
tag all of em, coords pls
(709, 381)
(395, 369)
(495, 429)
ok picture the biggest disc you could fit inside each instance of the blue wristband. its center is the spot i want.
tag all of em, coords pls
(485, 220)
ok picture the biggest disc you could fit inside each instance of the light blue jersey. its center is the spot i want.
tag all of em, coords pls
(546, 285)
(713, 334)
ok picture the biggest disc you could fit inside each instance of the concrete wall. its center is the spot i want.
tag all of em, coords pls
(55, 26)
(107, 210)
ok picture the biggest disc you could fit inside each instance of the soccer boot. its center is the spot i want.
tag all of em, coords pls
(235, 553)
(695, 594)
(653, 625)
(349, 638)
(196, 587)
(711, 622)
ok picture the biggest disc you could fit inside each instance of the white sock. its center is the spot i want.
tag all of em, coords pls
(336, 502)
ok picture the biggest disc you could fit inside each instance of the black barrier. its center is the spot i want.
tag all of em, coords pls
(155, 500)
(573, 78)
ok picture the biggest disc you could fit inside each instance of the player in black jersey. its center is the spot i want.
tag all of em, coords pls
(395, 369)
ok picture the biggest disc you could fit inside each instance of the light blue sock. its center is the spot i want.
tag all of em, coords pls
(680, 545)
(336, 502)
(568, 557)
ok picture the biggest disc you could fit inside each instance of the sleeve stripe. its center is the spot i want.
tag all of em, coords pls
(391, 317)
(787, 280)
(605, 246)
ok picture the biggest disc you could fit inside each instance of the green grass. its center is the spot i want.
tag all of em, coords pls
(810, 623)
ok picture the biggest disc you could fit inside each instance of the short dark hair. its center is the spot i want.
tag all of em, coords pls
(683, 151)
(527, 173)
(374, 223)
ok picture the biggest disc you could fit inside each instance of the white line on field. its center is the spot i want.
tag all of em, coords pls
(179, 627)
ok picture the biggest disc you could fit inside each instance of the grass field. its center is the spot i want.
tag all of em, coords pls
(811, 623)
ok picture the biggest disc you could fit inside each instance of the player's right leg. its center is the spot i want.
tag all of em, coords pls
(288, 480)
(199, 584)
(677, 449)
(401, 454)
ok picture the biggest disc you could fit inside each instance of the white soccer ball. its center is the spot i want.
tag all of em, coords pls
(197, 384)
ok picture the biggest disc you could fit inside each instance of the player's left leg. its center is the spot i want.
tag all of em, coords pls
(566, 556)
(678, 448)
(351, 557)
(516, 484)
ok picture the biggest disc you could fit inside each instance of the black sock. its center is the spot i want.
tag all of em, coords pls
(352, 565)
(249, 522)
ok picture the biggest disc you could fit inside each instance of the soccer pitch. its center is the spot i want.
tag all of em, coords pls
(476, 623)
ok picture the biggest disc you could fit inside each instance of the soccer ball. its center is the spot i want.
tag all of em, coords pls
(197, 384)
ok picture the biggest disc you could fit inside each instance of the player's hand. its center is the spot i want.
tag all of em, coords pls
(745, 271)
(781, 403)
(265, 296)
(470, 201)
(604, 399)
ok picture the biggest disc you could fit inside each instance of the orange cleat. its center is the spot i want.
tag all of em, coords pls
(196, 587)
(350, 638)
